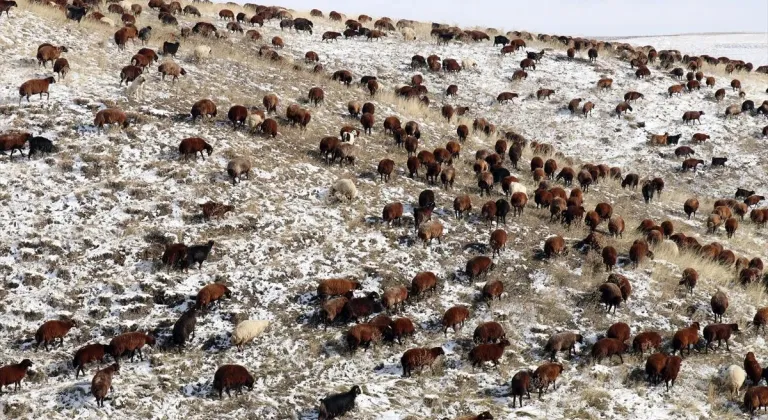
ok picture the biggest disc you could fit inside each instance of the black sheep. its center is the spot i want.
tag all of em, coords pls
(337, 405)
(673, 139)
(170, 48)
(184, 328)
(198, 254)
(76, 13)
(39, 144)
(502, 208)
(361, 307)
(145, 33)
(648, 192)
(499, 173)
(427, 198)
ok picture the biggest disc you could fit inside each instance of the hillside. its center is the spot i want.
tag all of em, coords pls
(85, 227)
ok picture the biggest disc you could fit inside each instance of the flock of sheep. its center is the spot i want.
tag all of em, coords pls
(337, 297)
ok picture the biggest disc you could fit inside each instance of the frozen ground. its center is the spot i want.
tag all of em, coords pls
(85, 226)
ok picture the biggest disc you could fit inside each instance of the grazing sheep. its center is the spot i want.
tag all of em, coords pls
(13, 374)
(488, 353)
(394, 296)
(477, 266)
(425, 281)
(418, 358)
(362, 307)
(87, 354)
(193, 145)
(131, 341)
(211, 293)
(238, 167)
(228, 377)
(337, 405)
(608, 347)
(563, 341)
(184, 328)
(61, 67)
(336, 287)
(733, 379)
(547, 374)
(520, 385)
(646, 341)
(430, 230)
(246, 331)
(13, 142)
(619, 331)
(554, 246)
(610, 295)
(454, 318)
(719, 303)
(102, 383)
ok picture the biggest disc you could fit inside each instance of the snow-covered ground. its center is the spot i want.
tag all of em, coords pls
(85, 226)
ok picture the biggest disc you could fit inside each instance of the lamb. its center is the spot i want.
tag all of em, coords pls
(336, 287)
(211, 293)
(520, 385)
(685, 338)
(102, 383)
(646, 341)
(13, 374)
(337, 405)
(418, 358)
(547, 374)
(733, 379)
(61, 67)
(34, 87)
(170, 68)
(228, 377)
(343, 190)
(193, 145)
(246, 331)
(488, 353)
(563, 341)
(238, 167)
(425, 281)
(110, 116)
(454, 318)
(184, 328)
(607, 347)
(87, 354)
(51, 330)
(131, 341)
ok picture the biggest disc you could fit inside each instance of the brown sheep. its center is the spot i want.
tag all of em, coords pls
(316, 95)
(102, 383)
(430, 230)
(193, 145)
(363, 335)
(638, 252)
(130, 341)
(604, 84)
(730, 226)
(754, 398)
(671, 370)
(544, 93)
(394, 296)
(418, 358)
(547, 374)
(13, 374)
(623, 107)
(654, 367)
(690, 207)
(753, 369)
(478, 266)
(488, 353)
(498, 241)
(270, 102)
(110, 116)
(616, 227)
(122, 36)
(392, 212)
(646, 341)
(561, 342)
(685, 338)
(46, 53)
(425, 281)
(492, 289)
(488, 332)
(719, 303)
(228, 377)
(385, 168)
(367, 122)
(610, 295)
(51, 330)
(735, 84)
(336, 287)
(520, 385)
(462, 204)
(619, 331)
(608, 347)
(609, 257)
(34, 87)
(690, 116)
(210, 294)
(454, 318)
(554, 246)
(14, 141)
(203, 108)
(719, 332)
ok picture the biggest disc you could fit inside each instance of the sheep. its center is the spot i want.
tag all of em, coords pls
(400, 328)
(392, 212)
(131, 341)
(361, 307)
(418, 358)
(462, 204)
(364, 334)
(202, 52)
(34, 87)
(343, 189)
(193, 145)
(638, 252)
(210, 294)
(547, 374)
(607, 347)
(423, 282)
(488, 353)
(719, 332)
(61, 67)
(654, 367)
(228, 377)
(610, 295)
(492, 289)
(498, 241)
(246, 331)
(477, 266)
(337, 405)
(488, 332)
(130, 73)
(13, 142)
(685, 338)
(170, 68)
(122, 35)
(184, 328)
(332, 308)
(454, 318)
(238, 167)
(753, 369)
(619, 331)
(719, 303)
(690, 116)
(430, 230)
(336, 287)
(51, 330)
(671, 370)
(563, 341)
(47, 52)
(197, 254)
(87, 354)
(520, 385)
(13, 374)
(554, 246)
(394, 296)
(733, 379)
(102, 383)
(646, 341)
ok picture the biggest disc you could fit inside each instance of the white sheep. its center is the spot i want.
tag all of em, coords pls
(734, 378)
(246, 331)
(202, 52)
(667, 247)
(343, 189)
(517, 187)
(468, 64)
(350, 136)
(107, 21)
(253, 121)
(408, 34)
(136, 88)
(126, 5)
